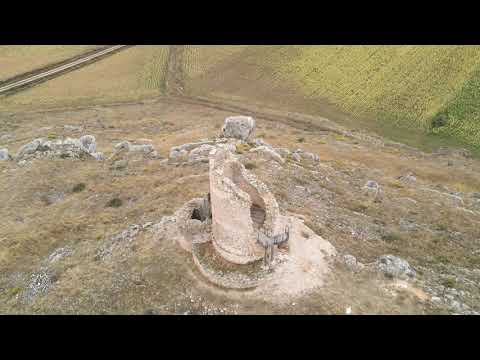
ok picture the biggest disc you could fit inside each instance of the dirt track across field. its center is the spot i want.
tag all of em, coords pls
(34, 77)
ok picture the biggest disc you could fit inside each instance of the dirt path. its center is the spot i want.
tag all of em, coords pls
(174, 79)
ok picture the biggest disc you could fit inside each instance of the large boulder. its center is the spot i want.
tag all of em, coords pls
(239, 127)
(394, 267)
(89, 143)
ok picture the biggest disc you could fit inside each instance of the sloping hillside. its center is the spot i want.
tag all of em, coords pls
(404, 86)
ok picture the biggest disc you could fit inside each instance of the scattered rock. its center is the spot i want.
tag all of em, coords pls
(283, 152)
(269, 153)
(409, 178)
(119, 165)
(98, 156)
(260, 142)
(372, 185)
(145, 149)
(4, 155)
(352, 264)
(200, 153)
(395, 267)
(301, 154)
(59, 254)
(29, 149)
(119, 242)
(178, 155)
(311, 156)
(371, 188)
(53, 197)
(239, 127)
(68, 148)
(6, 138)
(40, 283)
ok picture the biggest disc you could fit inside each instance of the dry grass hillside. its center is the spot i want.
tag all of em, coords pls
(81, 235)
(397, 91)
(68, 246)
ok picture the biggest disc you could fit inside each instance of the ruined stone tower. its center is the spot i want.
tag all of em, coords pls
(242, 206)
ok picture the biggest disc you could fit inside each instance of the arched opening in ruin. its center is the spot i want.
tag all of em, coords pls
(258, 215)
(204, 211)
(258, 208)
(197, 215)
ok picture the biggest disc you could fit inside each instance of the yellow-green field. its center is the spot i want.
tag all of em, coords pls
(389, 86)
(18, 59)
(405, 85)
(200, 59)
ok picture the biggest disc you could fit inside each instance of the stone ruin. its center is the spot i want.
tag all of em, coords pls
(236, 191)
(235, 231)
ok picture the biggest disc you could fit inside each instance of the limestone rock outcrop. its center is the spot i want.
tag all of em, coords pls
(395, 267)
(268, 153)
(239, 127)
(68, 148)
(143, 149)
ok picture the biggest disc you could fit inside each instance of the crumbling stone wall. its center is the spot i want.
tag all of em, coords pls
(234, 191)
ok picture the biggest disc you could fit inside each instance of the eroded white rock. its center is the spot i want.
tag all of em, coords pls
(239, 127)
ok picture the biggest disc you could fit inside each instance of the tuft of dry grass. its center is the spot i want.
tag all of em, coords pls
(242, 148)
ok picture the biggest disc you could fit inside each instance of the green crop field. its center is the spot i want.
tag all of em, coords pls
(397, 87)
(403, 85)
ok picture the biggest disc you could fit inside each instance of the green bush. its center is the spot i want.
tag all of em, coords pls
(79, 188)
(439, 121)
(115, 203)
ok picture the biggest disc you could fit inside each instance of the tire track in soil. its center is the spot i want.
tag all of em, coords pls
(175, 77)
